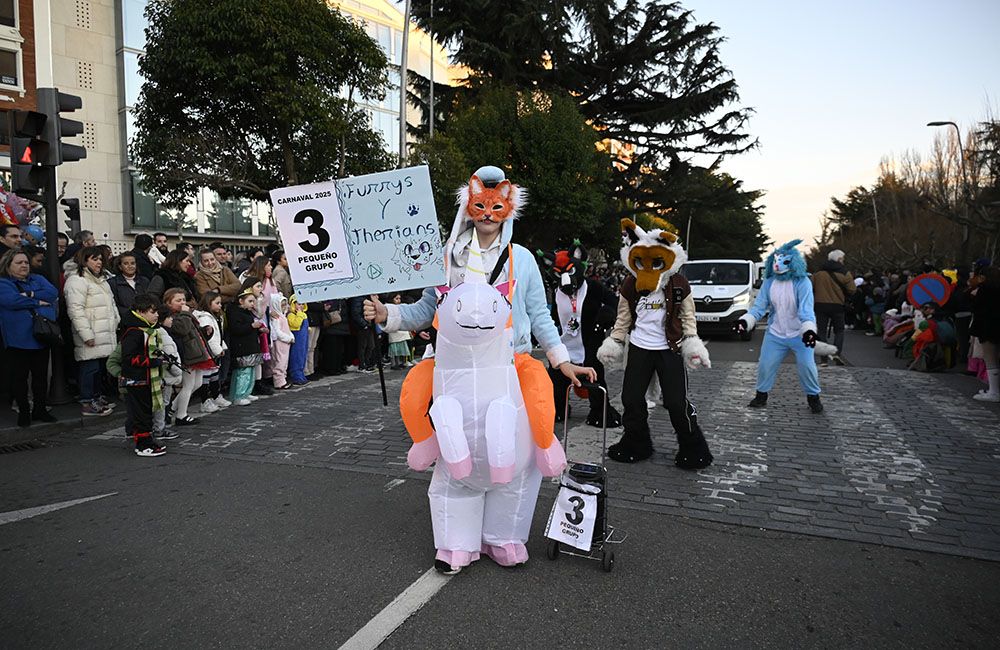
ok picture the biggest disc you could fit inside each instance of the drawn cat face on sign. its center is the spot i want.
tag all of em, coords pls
(490, 204)
(413, 255)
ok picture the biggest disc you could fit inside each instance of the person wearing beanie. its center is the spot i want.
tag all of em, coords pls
(832, 286)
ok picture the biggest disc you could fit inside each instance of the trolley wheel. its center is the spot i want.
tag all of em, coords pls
(552, 550)
(607, 560)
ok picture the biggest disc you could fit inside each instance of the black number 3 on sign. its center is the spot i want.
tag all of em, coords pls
(315, 227)
(577, 516)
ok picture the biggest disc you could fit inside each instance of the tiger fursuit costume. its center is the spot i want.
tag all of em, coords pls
(656, 327)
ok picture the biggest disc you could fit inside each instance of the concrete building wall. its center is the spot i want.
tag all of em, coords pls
(84, 64)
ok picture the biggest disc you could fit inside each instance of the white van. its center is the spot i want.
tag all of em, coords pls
(723, 291)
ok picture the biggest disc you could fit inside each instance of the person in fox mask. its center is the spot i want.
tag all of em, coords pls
(656, 333)
(480, 247)
(583, 309)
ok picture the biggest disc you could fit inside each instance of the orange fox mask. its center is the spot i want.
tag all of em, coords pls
(490, 203)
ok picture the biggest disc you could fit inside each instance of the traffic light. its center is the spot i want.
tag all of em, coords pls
(28, 152)
(73, 212)
(51, 102)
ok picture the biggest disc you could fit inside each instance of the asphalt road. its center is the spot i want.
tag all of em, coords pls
(213, 552)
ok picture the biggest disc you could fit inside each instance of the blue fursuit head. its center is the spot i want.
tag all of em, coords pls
(786, 262)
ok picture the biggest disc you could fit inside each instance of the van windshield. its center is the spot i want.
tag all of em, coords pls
(716, 273)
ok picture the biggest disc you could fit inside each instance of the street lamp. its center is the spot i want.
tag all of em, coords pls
(965, 186)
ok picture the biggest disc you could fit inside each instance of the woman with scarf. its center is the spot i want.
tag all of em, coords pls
(212, 276)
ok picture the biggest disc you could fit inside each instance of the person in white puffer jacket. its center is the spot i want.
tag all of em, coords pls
(211, 319)
(94, 318)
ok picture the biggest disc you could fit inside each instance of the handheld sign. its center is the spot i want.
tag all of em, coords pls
(361, 235)
(929, 287)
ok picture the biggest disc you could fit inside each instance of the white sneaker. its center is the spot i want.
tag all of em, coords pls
(986, 396)
(252, 398)
(208, 406)
(222, 402)
(242, 402)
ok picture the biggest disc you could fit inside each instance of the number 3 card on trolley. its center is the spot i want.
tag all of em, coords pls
(361, 235)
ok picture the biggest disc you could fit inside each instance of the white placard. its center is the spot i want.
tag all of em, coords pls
(572, 518)
(361, 235)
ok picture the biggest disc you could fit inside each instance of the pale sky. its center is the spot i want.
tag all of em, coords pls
(838, 85)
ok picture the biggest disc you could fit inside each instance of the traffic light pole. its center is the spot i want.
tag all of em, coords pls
(58, 393)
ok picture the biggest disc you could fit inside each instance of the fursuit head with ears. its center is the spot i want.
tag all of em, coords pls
(652, 257)
(567, 266)
(785, 262)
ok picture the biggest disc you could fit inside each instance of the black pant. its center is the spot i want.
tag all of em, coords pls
(669, 367)
(139, 402)
(367, 348)
(331, 353)
(828, 315)
(560, 382)
(21, 362)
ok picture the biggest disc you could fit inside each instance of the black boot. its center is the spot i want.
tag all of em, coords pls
(42, 415)
(560, 414)
(694, 455)
(815, 405)
(260, 388)
(24, 416)
(614, 418)
(759, 401)
(631, 450)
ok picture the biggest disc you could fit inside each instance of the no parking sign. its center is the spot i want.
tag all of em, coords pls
(929, 287)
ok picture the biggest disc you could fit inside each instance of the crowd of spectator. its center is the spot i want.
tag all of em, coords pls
(165, 329)
(962, 332)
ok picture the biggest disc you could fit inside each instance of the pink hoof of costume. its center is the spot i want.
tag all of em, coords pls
(460, 470)
(502, 474)
(507, 554)
(551, 461)
(423, 454)
(456, 559)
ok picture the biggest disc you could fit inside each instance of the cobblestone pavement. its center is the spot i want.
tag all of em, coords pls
(897, 459)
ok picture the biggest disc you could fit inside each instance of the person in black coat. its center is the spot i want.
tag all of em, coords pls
(127, 283)
(335, 333)
(145, 267)
(583, 309)
(365, 336)
(986, 326)
(173, 274)
(244, 346)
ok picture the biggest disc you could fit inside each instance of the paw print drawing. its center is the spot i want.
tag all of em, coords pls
(391, 280)
(412, 210)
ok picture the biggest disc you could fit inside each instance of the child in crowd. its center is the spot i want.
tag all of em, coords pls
(876, 305)
(399, 346)
(260, 314)
(212, 321)
(171, 372)
(298, 323)
(244, 345)
(281, 341)
(140, 374)
(195, 356)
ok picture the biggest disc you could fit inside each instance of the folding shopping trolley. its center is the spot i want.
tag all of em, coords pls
(578, 524)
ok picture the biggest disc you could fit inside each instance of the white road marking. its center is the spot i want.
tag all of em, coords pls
(396, 482)
(27, 513)
(395, 614)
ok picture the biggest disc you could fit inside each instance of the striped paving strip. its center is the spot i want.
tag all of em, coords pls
(877, 459)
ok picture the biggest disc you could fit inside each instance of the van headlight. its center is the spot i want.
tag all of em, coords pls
(742, 299)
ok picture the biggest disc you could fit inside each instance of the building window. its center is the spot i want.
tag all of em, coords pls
(8, 68)
(8, 13)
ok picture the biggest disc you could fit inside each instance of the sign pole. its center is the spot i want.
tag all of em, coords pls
(58, 394)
